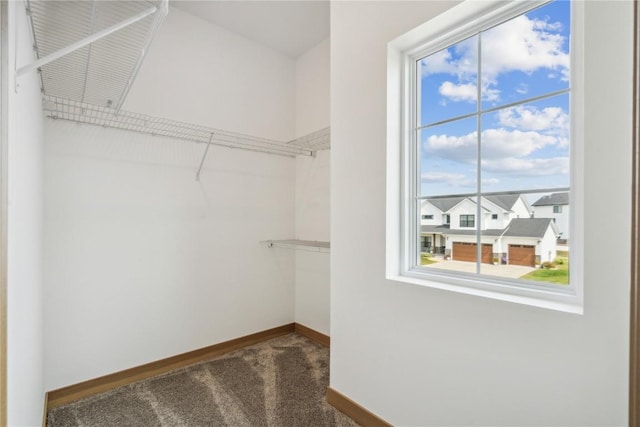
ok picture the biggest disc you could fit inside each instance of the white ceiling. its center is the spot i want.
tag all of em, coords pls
(289, 27)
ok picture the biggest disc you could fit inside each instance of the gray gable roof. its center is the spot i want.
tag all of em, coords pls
(528, 227)
(505, 201)
(553, 199)
(445, 203)
(518, 227)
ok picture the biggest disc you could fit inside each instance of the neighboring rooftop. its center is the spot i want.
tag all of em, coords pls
(505, 201)
(518, 227)
(445, 203)
(528, 227)
(553, 199)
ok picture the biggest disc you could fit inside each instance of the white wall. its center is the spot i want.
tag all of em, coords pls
(25, 379)
(204, 74)
(144, 262)
(421, 356)
(312, 189)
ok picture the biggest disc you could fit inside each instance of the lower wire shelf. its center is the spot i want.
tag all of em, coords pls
(305, 245)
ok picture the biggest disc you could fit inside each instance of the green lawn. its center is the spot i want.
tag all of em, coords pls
(559, 275)
(426, 260)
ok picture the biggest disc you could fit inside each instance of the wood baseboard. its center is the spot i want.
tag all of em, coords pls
(356, 412)
(313, 335)
(88, 388)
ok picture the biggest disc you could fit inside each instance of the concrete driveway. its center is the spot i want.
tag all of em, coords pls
(511, 271)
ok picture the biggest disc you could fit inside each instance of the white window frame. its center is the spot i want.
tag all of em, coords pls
(456, 24)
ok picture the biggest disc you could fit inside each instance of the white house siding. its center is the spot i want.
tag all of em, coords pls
(490, 209)
(561, 219)
(493, 224)
(547, 246)
(520, 209)
(429, 209)
(466, 207)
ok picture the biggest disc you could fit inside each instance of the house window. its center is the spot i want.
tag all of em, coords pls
(487, 105)
(557, 209)
(467, 221)
(427, 216)
(447, 219)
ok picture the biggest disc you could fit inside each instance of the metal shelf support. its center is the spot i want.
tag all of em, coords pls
(204, 156)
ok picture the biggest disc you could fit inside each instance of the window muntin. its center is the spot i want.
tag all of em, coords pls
(498, 127)
(467, 221)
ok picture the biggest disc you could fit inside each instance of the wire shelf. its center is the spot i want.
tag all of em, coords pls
(68, 109)
(89, 52)
(100, 73)
(305, 245)
(315, 141)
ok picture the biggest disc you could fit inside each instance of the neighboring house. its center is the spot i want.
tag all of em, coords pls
(554, 206)
(448, 227)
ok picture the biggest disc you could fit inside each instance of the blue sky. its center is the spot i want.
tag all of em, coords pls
(525, 146)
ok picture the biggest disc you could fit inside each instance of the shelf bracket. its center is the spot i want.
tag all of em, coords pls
(84, 42)
(204, 156)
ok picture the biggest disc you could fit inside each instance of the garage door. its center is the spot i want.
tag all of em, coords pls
(522, 255)
(468, 252)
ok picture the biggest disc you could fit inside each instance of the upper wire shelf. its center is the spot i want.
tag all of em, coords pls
(67, 109)
(91, 51)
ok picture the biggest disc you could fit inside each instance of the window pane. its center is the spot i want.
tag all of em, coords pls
(448, 82)
(526, 147)
(448, 158)
(529, 242)
(526, 56)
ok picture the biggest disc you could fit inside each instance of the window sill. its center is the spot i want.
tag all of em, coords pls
(566, 302)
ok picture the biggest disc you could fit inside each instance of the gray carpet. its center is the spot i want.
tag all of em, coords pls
(278, 383)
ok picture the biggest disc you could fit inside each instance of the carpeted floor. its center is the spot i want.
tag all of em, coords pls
(281, 382)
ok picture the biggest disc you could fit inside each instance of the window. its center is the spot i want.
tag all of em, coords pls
(557, 209)
(467, 221)
(488, 123)
(426, 244)
(427, 216)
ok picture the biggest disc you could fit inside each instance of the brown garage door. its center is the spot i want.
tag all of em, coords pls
(522, 255)
(468, 252)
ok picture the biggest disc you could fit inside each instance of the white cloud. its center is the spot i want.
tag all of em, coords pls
(455, 179)
(528, 167)
(550, 119)
(523, 44)
(520, 44)
(461, 92)
(467, 92)
(496, 144)
(450, 179)
(464, 64)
